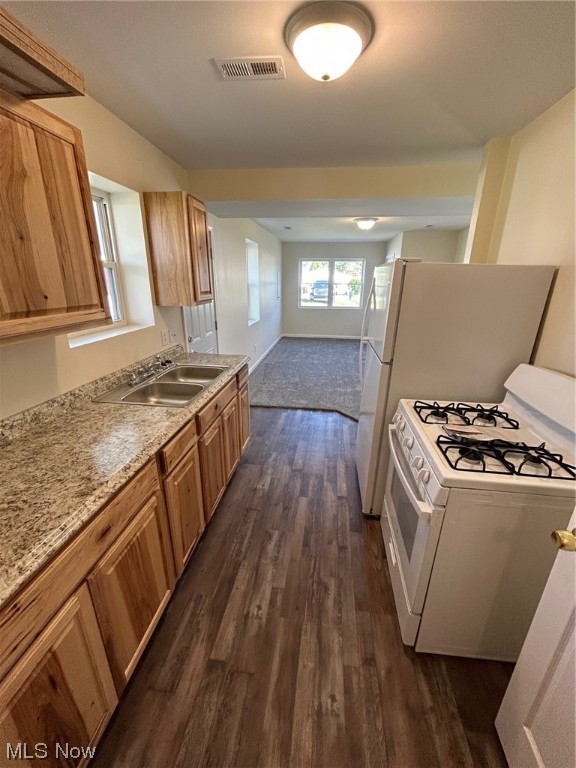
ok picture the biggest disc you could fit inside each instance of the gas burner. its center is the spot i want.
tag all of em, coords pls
(434, 413)
(537, 461)
(504, 457)
(469, 455)
(482, 416)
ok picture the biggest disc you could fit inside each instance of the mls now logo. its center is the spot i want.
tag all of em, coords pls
(23, 751)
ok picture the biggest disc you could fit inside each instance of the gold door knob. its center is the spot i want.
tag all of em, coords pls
(565, 540)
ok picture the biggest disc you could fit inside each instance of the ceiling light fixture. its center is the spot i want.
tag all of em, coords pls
(327, 37)
(365, 222)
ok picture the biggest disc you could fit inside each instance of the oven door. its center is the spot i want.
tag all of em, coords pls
(414, 524)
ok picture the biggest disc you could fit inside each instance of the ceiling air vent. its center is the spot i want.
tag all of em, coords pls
(251, 68)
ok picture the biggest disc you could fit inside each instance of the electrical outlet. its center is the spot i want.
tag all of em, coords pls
(173, 335)
(165, 338)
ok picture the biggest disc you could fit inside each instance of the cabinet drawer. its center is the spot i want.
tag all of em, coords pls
(206, 416)
(32, 607)
(178, 446)
(242, 376)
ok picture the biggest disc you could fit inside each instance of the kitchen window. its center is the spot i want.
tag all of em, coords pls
(108, 253)
(331, 283)
(122, 250)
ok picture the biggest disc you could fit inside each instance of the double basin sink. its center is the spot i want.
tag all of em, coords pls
(176, 387)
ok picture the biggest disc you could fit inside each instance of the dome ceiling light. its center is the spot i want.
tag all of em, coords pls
(327, 37)
(366, 222)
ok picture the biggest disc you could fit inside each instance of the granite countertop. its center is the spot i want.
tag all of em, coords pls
(61, 461)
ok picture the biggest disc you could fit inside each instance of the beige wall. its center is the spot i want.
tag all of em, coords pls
(430, 245)
(418, 181)
(235, 336)
(323, 322)
(34, 371)
(535, 222)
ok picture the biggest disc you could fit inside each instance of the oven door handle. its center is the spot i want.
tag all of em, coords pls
(423, 509)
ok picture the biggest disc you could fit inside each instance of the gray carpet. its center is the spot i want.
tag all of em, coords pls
(318, 374)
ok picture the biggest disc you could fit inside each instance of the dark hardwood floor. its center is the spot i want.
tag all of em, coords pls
(280, 646)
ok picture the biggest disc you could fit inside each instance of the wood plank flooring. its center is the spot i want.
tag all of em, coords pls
(280, 648)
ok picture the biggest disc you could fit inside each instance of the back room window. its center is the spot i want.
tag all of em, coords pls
(331, 283)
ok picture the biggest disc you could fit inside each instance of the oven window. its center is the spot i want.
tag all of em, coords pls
(405, 513)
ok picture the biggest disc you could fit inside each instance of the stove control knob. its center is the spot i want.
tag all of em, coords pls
(423, 476)
(396, 418)
(401, 424)
(418, 462)
(408, 442)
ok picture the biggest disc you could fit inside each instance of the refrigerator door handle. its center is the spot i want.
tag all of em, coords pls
(360, 355)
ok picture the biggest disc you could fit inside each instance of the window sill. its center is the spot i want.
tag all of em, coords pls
(81, 338)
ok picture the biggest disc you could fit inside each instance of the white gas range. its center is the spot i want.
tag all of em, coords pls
(472, 495)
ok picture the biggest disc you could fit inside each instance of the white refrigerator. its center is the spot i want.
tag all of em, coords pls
(439, 331)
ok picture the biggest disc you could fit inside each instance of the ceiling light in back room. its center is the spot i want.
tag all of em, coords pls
(327, 37)
(366, 222)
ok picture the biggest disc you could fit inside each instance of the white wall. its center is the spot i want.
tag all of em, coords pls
(235, 336)
(34, 371)
(323, 322)
(536, 222)
(394, 247)
(462, 244)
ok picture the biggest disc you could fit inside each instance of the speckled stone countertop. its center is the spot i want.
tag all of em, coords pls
(61, 461)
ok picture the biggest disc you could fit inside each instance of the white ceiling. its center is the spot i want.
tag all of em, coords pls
(438, 80)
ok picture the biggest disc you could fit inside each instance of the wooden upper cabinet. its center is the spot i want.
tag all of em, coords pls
(30, 68)
(60, 692)
(201, 264)
(51, 277)
(179, 248)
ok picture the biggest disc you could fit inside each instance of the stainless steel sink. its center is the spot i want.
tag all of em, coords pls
(174, 388)
(192, 373)
(167, 393)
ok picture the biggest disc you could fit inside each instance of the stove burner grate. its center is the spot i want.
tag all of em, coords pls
(434, 413)
(507, 458)
(463, 413)
(482, 416)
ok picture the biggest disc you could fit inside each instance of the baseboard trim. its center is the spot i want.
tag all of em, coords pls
(263, 355)
(316, 336)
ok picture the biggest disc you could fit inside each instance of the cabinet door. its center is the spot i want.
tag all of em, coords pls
(211, 448)
(201, 265)
(183, 488)
(169, 240)
(50, 272)
(60, 692)
(231, 429)
(130, 587)
(244, 416)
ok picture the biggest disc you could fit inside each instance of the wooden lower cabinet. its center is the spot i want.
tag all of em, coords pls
(56, 701)
(231, 427)
(130, 588)
(244, 416)
(183, 489)
(211, 448)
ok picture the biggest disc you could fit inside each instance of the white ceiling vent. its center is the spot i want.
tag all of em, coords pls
(251, 68)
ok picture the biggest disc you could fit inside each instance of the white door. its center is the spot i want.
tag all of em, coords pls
(537, 720)
(200, 327)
